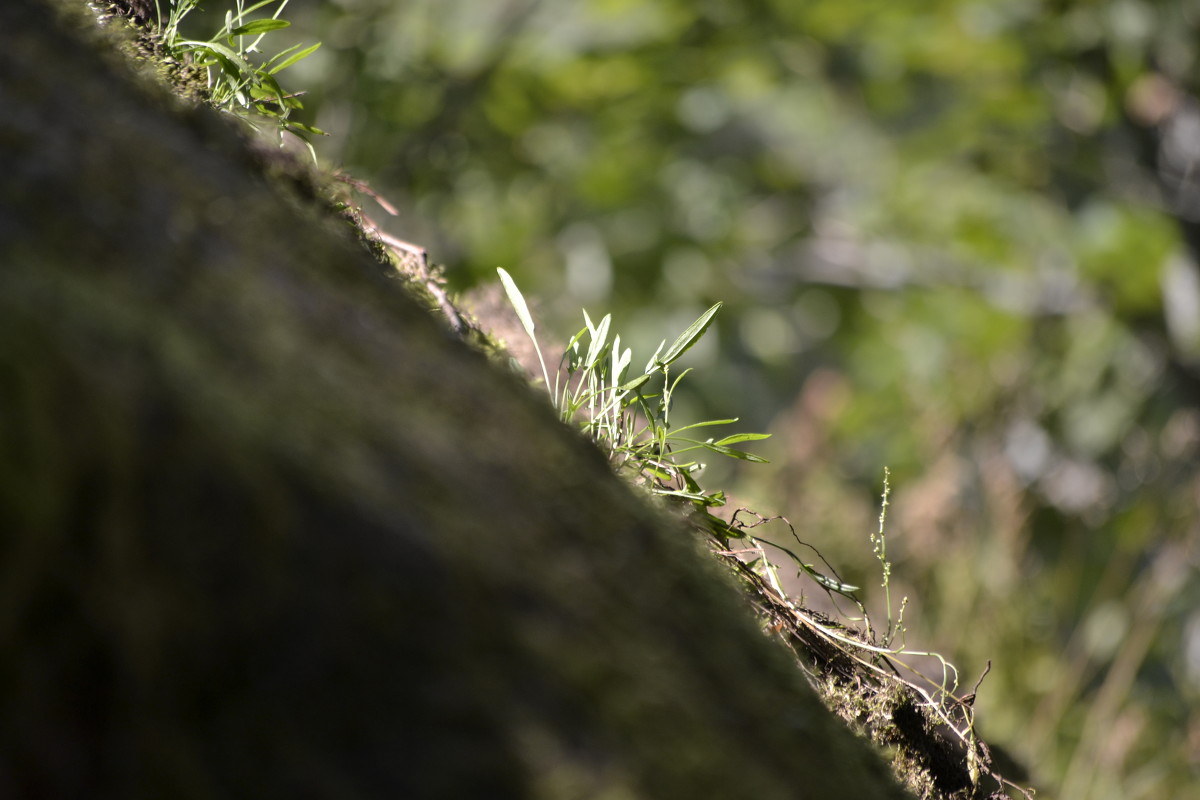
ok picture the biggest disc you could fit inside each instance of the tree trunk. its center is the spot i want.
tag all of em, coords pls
(267, 530)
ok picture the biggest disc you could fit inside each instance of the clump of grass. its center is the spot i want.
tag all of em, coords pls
(630, 417)
(240, 80)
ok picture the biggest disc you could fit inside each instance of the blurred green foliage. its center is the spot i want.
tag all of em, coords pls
(948, 236)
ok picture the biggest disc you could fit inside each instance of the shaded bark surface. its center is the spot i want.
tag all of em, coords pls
(267, 530)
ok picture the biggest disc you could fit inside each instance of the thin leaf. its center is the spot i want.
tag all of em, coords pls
(248, 11)
(660, 474)
(678, 378)
(829, 583)
(689, 337)
(281, 54)
(260, 26)
(599, 339)
(570, 355)
(517, 300)
(743, 437)
(633, 384)
(738, 454)
(723, 530)
(680, 493)
(274, 87)
(518, 303)
(705, 424)
(303, 54)
(621, 359)
(713, 500)
(312, 152)
(219, 51)
(305, 128)
(654, 364)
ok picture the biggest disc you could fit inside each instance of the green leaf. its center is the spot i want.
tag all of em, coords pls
(738, 454)
(661, 474)
(248, 11)
(518, 303)
(678, 378)
(303, 54)
(599, 339)
(223, 54)
(633, 384)
(689, 337)
(620, 359)
(722, 529)
(743, 437)
(300, 126)
(705, 500)
(272, 86)
(571, 355)
(264, 93)
(705, 424)
(517, 300)
(260, 26)
(280, 55)
(828, 582)
(653, 365)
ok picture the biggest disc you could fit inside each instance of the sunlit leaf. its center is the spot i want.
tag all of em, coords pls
(260, 26)
(303, 54)
(654, 364)
(706, 424)
(689, 337)
(305, 128)
(743, 437)
(738, 454)
(517, 300)
(599, 339)
(633, 384)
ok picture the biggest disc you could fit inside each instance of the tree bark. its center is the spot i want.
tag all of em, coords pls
(267, 530)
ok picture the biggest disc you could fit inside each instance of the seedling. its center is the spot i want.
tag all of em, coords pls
(630, 417)
(238, 82)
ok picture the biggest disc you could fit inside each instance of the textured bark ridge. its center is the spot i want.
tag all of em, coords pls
(267, 530)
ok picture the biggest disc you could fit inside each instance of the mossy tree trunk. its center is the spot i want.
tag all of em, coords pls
(267, 530)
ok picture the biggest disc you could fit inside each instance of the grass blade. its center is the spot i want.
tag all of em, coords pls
(599, 339)
(741, 455)
(517, 300)
(706, 424)
(303, 54)
(518, 303)
(743, 437)
(260, 26)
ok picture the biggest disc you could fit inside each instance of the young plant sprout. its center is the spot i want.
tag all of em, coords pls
(238, 82)
(630, 417)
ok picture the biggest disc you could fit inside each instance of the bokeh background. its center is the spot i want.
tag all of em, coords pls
(956, 239)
